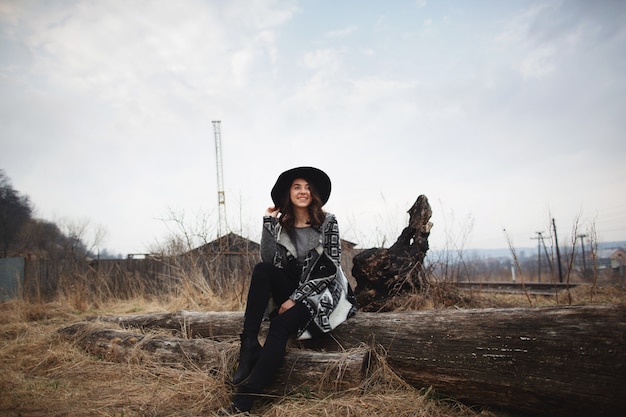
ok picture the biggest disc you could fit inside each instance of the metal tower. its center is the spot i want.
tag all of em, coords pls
(222, 227)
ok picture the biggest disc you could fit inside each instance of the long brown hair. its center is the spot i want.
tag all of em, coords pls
(287, 217)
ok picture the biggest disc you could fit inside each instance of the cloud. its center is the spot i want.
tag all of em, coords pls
(106, 108)
(538, 64)
(554, 36)
(322, 59)
(340, 33)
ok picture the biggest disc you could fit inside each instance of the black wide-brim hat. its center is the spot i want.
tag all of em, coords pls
(316, 177)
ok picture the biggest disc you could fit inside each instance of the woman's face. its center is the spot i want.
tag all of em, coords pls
(300, 193)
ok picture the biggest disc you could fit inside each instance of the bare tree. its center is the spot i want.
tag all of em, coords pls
(593, 254)
(81, 238)
(184, 235)
(450, 264)
(517, 264)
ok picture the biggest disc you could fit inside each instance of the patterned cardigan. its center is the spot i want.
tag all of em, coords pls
(323, 287)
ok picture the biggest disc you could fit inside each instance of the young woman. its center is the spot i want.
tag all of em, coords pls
(299, 279)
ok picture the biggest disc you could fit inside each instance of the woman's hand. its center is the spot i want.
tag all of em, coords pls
(272, 211)
(286, 306)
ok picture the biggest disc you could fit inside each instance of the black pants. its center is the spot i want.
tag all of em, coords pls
(269, 281)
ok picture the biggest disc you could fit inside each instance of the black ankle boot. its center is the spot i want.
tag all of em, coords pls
(248, 355)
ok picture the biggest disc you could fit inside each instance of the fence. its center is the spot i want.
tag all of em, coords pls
(122, 278)
(215, 267)
(11, 277)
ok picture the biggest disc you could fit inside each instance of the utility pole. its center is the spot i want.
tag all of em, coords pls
(582, 246)
(222, 227)
(539, 239)
(558, 251)
(548, 258)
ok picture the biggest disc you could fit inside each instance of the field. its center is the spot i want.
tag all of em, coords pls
(44, 375)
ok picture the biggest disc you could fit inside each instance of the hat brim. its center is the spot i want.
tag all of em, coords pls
(319, 179)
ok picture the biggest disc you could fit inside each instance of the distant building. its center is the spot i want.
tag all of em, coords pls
(618, 259)
(614, 258)
(235, 253)
(229, 244)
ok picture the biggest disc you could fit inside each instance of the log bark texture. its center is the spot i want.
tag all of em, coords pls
(303, 369)
(549, 361)
(383, 273)
(568, 361)
(218, 325)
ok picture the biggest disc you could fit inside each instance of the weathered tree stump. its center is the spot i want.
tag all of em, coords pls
(383, 273)
(557, 361)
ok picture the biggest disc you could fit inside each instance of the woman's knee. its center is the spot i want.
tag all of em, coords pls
(263, 268)
(262, 271)
(289, 321)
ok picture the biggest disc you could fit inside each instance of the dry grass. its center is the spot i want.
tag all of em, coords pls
(45, 375)
(448, 296)
(401, 403)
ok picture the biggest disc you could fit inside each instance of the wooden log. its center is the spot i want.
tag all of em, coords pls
(548, 361)
(544, 361)
(223, 325)
(121, 345)
(303, 369)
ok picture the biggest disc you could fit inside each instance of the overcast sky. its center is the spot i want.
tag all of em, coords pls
(503, 113)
